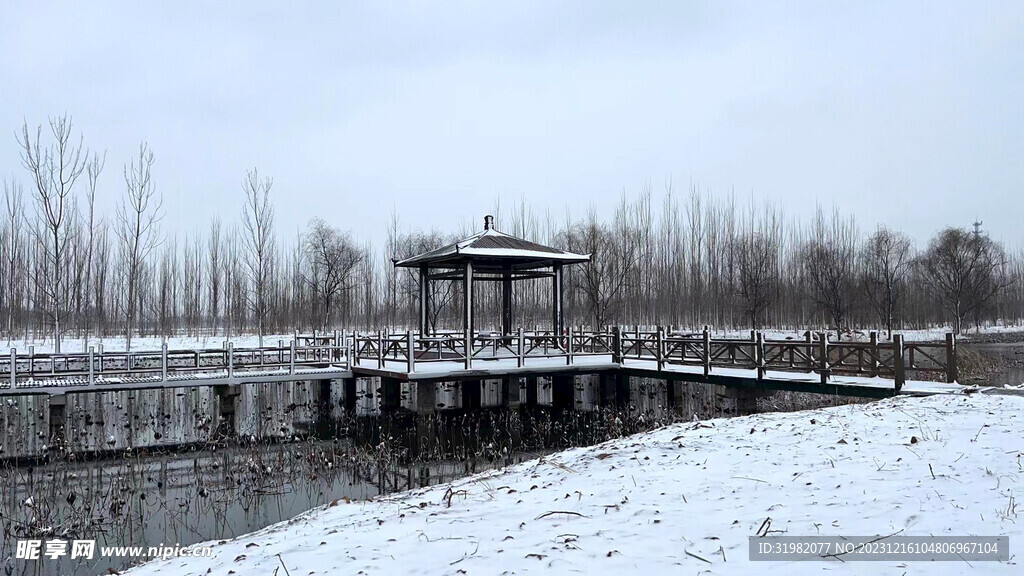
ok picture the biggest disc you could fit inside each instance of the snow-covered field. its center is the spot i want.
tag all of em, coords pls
(116, 344)
(928, 335)
(683, 500)
(140, 344)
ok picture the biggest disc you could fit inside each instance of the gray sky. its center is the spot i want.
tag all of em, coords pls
(908, 113)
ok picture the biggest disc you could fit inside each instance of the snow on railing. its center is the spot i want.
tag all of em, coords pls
(31, 369)
(814, 353)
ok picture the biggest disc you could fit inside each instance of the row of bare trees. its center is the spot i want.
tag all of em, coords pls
(704, 260)
(68, 272)
(683, 259)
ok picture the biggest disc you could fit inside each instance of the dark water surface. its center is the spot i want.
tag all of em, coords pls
(183, 499)
(1009, 356)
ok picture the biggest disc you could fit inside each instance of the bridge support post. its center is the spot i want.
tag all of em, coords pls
(227, 398)
(349, 394)
(390, 394)
(58, 418)
(531, 392)
(616, 345)
(325, 422)
(563, 392)
(505, 391)
(92, 366)
(426, 396)
(231, 359)
(622, 391)
(163, 361)
(951, 373)
(607, 397)
(470, 394)
(733, 400)
(14, 368)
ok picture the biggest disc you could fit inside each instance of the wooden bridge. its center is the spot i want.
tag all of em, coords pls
(814, 363)
(99, 400)
(872, 368)
(303, 358)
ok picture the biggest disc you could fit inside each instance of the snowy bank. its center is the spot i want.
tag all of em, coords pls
(682, 499)
(144, 343)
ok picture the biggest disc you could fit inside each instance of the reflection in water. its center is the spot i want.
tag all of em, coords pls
(1013, 376)
(192, 497)
(186, 498)
(1009, 356)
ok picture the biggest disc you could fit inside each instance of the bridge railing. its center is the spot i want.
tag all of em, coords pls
(814, 353)
(82, 368)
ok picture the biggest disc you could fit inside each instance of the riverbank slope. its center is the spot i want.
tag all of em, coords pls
(682, 499)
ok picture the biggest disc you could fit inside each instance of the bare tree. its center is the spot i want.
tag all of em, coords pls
(887, 258)
(332, 258)
(12, 248)
(965, 271)
(258, 218)
(214, 272)
(440, 294)
(758, 264)
(138, 217)
(828, 258)
(101, 278)
(609, 272)
(93, 169)
(54, 169)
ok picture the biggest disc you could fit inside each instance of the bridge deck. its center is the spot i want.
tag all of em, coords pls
(58, 386)
(869, 387)
(813, 364)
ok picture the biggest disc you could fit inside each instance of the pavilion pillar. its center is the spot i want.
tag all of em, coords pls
(557, 319)
(467, 284)
(506, 303)
(424, 304)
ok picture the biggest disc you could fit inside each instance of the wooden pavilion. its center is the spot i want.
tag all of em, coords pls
(491, 256)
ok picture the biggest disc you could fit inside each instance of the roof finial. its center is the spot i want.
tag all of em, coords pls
(488, 222)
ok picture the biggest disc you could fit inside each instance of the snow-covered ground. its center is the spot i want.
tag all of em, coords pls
(140, 344)
(928, 335)
(117, 343)
(683, 500)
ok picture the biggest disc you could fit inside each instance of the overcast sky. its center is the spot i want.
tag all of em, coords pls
(907, 113)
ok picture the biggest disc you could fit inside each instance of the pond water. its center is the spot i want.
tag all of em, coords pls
(184, 499)
(190, 497)
(1013, 376)
(1009, 355)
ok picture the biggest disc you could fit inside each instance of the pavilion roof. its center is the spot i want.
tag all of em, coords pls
(489, 250)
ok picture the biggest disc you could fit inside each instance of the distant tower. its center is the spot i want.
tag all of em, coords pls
(977, 228)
